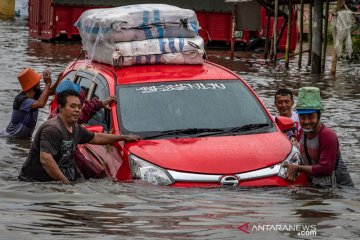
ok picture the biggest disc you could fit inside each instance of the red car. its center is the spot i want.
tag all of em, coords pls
(200, 126)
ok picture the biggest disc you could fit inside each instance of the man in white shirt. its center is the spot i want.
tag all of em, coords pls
(284, 101)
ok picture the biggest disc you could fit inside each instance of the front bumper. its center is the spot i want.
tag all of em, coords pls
(243, 180)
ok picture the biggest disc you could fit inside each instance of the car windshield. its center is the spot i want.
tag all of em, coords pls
(190, 108)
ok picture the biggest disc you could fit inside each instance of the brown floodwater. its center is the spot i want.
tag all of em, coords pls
(102, 209)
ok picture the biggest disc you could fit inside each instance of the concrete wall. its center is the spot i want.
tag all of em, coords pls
(7, 7)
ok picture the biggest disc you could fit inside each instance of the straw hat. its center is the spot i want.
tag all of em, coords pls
(28, 78)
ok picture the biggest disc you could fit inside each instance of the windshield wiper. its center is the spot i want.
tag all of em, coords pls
(248, 127)
(243, 128)
(187, 131)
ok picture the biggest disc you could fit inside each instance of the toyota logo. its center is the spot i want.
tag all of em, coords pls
(229, 180)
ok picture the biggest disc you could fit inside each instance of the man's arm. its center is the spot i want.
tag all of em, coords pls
(90, 107)
(107, 102)
(41, 102)
(53, 87)
(105, 138)
(50, 166)
(293, 170)
(328, 152)
(88, 110)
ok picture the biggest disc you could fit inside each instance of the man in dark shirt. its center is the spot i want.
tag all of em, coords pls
(51, 153)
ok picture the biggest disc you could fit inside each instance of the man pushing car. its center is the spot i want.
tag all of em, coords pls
(51, 154)
(319, 145)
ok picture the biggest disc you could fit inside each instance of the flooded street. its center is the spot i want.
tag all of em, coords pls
(102, 209)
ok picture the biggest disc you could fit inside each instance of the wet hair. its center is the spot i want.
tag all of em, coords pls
(61, 97)
(285, 92)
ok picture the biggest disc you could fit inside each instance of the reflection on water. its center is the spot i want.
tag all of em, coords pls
(102, 209)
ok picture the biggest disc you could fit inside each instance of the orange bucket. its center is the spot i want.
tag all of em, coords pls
(28, 78)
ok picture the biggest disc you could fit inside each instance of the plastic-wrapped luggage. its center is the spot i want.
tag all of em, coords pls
(137, 22)
(150, 51)
(141, 34)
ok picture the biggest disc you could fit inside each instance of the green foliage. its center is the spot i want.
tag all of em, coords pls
(329, 34)
(356, 46)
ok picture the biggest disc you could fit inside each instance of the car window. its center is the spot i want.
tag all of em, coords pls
(85, 84)
(85, 80)
(70, 76)
(169, 106)
(101, 92)
(95, 85)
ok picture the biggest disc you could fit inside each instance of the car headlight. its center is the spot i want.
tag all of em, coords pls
(148, 172)
(293, 158)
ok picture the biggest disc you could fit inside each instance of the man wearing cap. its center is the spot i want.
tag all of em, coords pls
(27, 103)
(319, 145)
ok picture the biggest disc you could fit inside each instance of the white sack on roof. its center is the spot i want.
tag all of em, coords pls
(137, 22)
(150, 51)
(191, 57)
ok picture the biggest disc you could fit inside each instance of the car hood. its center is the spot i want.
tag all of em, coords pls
(215, 155)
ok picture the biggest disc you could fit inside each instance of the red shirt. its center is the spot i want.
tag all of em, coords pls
(323, 150)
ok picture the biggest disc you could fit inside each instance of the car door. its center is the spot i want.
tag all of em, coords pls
(105, 157)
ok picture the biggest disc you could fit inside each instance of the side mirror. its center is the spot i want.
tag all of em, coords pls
(284, 123)
(95, 128)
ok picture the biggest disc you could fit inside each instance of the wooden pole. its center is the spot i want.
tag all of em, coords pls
(271, 54)
(288, 36)
(310, 32)
(317, 41)
(232, 53)
(325, 36)
(301, 32)
(339, 5)
(7, 7)
(275, 30)
(267, 35)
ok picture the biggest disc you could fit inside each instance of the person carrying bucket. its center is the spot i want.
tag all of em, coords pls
(319, 145)
(28, 101)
